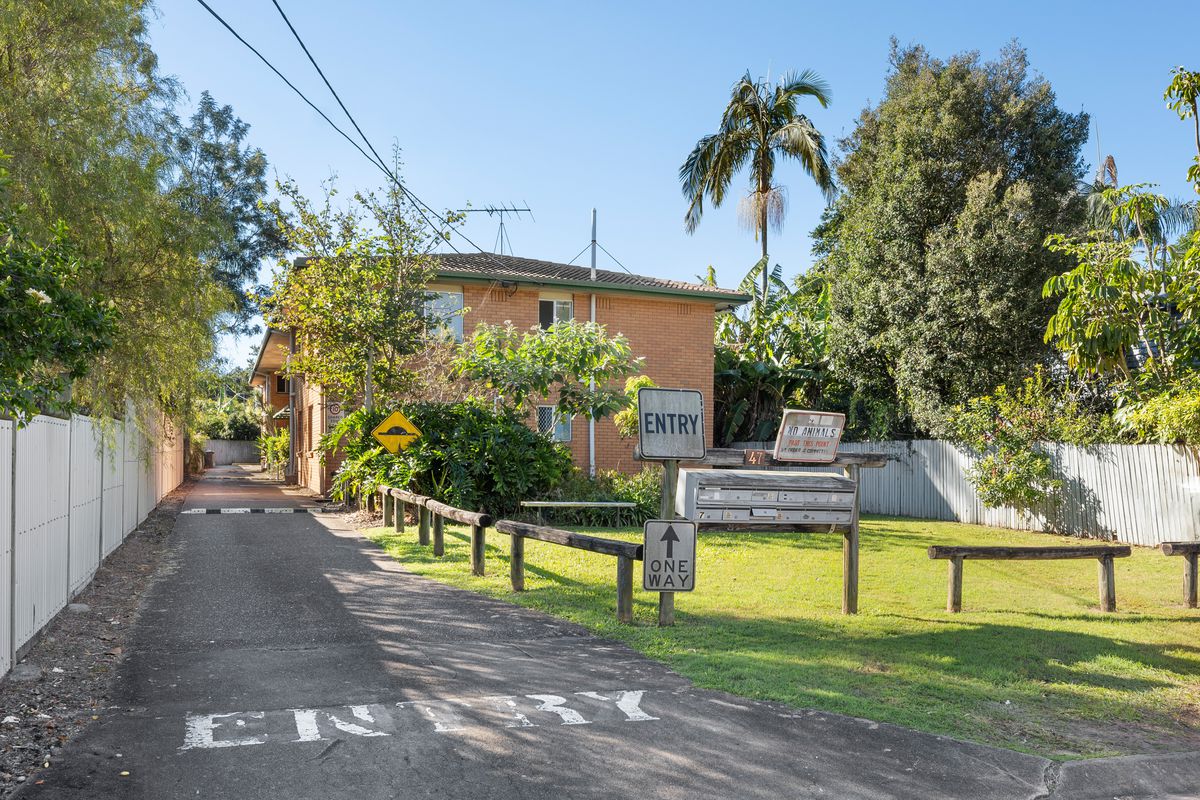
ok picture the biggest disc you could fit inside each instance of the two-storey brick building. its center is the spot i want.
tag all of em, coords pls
(668, 323)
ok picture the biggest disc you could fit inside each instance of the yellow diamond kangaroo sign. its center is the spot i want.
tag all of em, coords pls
(396, 433)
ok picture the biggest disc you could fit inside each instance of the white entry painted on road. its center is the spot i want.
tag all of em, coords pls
(671, 424)
(669, 556)
(411, 717)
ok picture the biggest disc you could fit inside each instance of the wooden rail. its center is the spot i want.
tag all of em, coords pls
(626, 553)
(1103, 553)
(1191, 554)
(430, 520)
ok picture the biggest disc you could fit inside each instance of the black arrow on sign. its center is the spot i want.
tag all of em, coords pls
(670, 537)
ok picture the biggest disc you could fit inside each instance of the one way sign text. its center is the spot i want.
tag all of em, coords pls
(669, 556)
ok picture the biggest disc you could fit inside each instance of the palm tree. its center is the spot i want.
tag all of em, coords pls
(761, 124)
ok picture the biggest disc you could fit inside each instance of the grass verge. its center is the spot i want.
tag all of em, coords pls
(1030, 664)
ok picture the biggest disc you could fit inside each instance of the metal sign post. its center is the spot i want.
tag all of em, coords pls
(670, 429)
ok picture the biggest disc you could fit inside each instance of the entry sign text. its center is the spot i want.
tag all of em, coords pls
(669, 556)
(671, 424)
(810, 436)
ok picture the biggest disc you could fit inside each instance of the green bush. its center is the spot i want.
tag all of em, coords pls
(643, 488)
(1006, 430)
(469, 455)
(274, 452)
(1169, 418)
(229, 419)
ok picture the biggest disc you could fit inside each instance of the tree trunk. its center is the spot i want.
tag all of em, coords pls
(762, 221)
(369, 383)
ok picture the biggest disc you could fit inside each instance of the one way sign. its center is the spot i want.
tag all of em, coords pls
(669, 556)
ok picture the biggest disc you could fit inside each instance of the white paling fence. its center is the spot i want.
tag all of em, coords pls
(69, 495)
(1141, 494)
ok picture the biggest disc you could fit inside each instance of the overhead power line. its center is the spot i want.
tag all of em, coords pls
(420, 205)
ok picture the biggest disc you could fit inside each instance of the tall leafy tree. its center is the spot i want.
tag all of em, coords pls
(222, 181)
(933, 250)
(356, 296)
(762, 125)
(91, 128)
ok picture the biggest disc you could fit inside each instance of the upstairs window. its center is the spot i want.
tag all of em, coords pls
(281, 384)
(444, 312)
(554, 308)
(557, 427)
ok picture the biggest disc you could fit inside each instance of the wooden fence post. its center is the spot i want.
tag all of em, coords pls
(516, 562)
(388, 507)
(398, 512)
(954, 590)
(439, 539)
(1108, 588)
(625, 591)
(850, 551)
(666, 600)
(1189, 579)
(477, 544)
(423, 526)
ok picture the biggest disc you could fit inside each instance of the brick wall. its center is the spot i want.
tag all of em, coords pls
(673, 335)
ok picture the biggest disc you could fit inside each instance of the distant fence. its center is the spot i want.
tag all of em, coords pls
(1141, 494)
(233, 451)
(68, 497)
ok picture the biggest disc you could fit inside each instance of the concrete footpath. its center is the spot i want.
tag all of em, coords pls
(284, 657)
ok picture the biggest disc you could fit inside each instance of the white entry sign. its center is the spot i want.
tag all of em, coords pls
(671, 424)
(669, 556)
(809, 436)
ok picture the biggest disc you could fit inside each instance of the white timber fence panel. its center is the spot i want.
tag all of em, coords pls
(1140, 494)
(112, 525)
(68, 496)
(131, 472)
(84, 490)
(41, 521)
(7, 641)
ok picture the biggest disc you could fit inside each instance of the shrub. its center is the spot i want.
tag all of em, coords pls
(1006, 430)
(469, 456)
(229, 419)
(1169, 418)
(643, 488)
(274, 452)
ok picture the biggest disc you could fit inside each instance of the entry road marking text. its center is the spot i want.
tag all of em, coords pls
(435, 716)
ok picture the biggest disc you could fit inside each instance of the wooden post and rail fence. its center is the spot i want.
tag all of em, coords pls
(1104, 554)
(430, 514)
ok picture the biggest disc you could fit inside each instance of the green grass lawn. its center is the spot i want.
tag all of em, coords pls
(1030, 664)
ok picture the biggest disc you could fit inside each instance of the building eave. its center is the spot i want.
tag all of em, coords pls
(724, 301)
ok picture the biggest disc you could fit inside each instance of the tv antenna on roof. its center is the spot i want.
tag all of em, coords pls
(501, 232)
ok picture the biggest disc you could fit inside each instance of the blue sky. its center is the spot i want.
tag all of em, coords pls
(569, 106)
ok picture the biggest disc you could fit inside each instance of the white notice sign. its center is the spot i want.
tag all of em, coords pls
(669, 556)
(671, 424)
(809, 436)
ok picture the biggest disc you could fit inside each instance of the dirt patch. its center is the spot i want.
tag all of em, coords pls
(64, 681)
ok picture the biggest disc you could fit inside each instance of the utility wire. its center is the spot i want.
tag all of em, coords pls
(418, 203)
(283, 78)
(378, 160)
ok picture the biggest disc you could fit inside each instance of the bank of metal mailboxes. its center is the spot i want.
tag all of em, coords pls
(757, 497)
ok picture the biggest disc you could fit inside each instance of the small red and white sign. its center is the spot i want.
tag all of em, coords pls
(809, 436)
